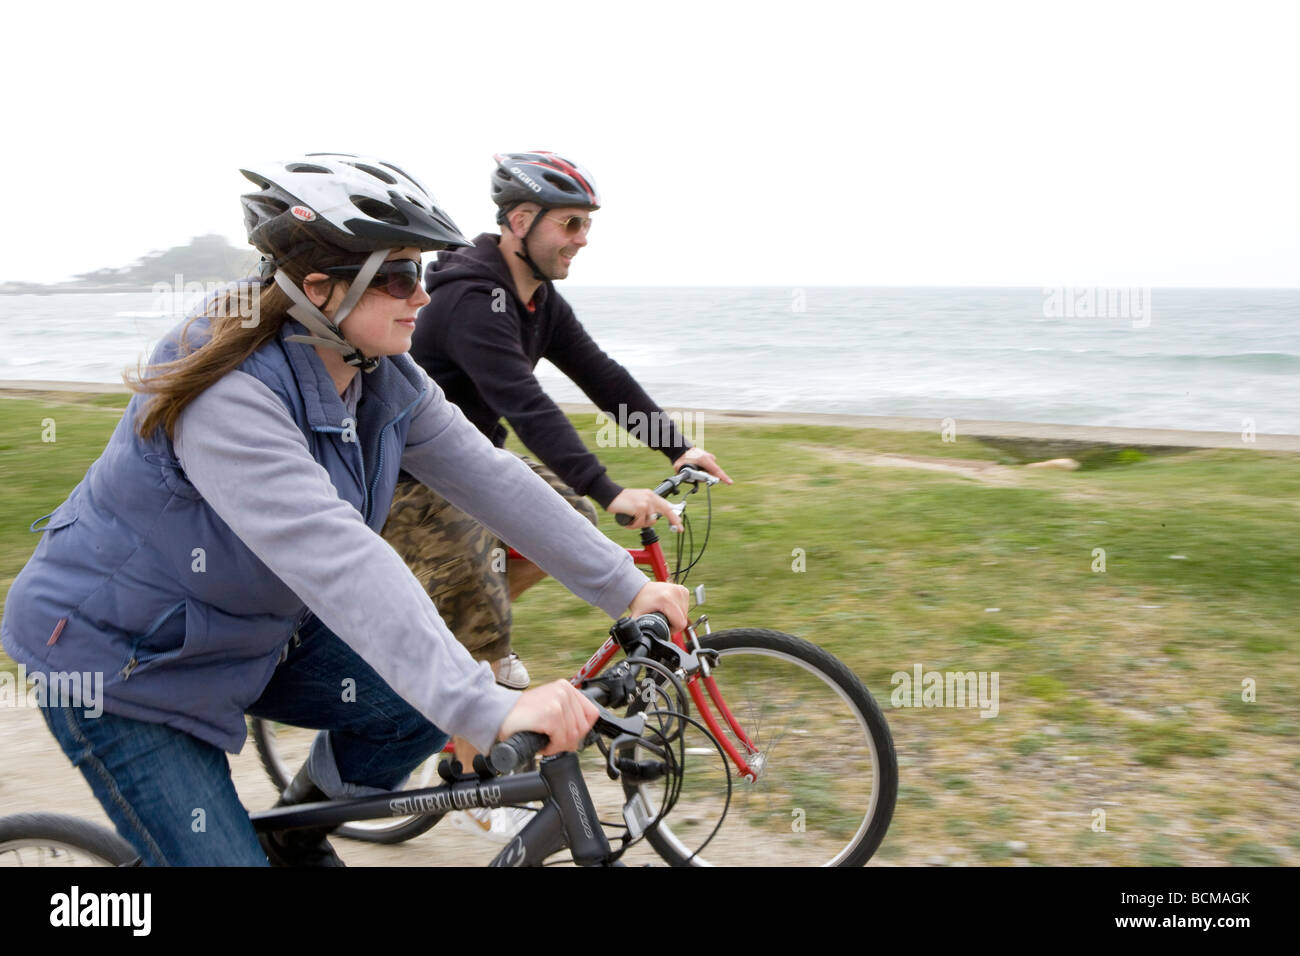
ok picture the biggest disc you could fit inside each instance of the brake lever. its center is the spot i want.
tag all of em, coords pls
(624, 730)
(615, 746)
(610, 726)
(696, 475)
(684, 662)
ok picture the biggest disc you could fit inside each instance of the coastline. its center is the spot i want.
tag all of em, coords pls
(1057, 435)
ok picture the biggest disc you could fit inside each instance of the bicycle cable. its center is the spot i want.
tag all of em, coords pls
(682, 573)
(673, 787)
(679, 688)
(674, 759)
(726, 765)
(673, 774)
(669, 729)
(670, 748)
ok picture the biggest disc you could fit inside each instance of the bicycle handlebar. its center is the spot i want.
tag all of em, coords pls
(518, 750)
(668, 485)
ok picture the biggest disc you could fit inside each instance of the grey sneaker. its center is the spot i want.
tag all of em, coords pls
(510, 672)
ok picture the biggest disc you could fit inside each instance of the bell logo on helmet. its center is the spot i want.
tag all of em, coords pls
(535, 187)
(303, 213)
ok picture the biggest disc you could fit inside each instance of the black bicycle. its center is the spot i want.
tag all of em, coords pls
(646, 750)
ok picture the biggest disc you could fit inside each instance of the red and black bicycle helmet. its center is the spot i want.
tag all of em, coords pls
(548, 179)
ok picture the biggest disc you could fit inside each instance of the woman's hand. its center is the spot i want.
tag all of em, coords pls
(555, 709)
(670, 600)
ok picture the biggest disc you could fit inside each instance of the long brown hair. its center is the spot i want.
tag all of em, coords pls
(232, 338)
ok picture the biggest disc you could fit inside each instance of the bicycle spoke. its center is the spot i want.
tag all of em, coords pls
(824, 766)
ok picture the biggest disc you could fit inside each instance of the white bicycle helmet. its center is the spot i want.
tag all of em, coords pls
(354, 203)
(351, 202)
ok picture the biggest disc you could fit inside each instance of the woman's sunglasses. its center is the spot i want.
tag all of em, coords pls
(398, 277)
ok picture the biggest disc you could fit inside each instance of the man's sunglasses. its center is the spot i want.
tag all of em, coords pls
(573, 224)
(398, 277)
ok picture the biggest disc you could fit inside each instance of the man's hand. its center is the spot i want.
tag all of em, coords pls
(703, 460)
(644, 506)
(555, 709)
(670, 600)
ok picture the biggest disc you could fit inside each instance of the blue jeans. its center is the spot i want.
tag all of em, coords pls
(170, 794)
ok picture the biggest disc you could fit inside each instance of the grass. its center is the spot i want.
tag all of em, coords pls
(1121, 687)
(39, 473)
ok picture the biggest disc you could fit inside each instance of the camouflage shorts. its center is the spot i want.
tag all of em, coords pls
(462, 564)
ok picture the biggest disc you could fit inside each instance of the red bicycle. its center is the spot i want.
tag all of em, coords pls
(809, 775)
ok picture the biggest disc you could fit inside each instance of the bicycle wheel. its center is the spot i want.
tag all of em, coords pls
(283, 749)
(51, 839)
(825, 773)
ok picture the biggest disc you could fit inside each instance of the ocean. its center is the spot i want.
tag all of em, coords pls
(1199, 359)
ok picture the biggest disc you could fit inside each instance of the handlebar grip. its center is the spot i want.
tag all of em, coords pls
(517, 751)
(623, 519)
(655, 624)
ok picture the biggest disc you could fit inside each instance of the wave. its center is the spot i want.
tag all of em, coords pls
(1257, 361)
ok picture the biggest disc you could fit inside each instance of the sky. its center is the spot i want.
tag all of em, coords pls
(814, 143)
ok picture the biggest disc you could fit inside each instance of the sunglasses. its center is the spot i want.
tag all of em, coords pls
(573, 224)
(398, 277)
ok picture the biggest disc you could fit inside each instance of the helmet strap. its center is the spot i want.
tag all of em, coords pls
(537, 273)
(328, 333)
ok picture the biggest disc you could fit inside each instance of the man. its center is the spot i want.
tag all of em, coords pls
(494, 313)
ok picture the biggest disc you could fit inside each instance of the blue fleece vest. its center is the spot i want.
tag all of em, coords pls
(118, 585)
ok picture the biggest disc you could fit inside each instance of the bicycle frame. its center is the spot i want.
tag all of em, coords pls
(651, 554)
(567, 819)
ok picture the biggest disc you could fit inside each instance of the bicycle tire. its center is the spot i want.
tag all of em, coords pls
(67, 841)
(281, 770)
(828, 781)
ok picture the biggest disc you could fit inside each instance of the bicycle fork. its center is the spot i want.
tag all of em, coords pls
(749, 764)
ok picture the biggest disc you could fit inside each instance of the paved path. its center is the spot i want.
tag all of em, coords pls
(36, 776)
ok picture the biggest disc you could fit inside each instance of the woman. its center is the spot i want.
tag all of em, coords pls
(222, 556)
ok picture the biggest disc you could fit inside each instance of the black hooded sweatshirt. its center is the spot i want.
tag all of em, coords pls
(481, 343)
